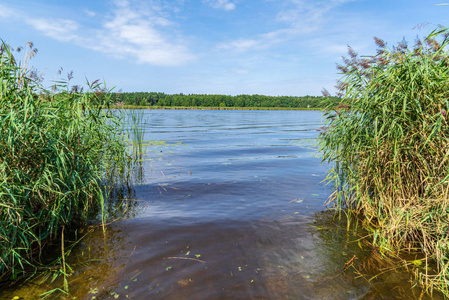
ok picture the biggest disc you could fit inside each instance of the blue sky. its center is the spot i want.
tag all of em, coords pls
(270, 47)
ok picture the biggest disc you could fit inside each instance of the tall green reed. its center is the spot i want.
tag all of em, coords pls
(60, 158)
(134, 128)
(389, 141)
(137, 131)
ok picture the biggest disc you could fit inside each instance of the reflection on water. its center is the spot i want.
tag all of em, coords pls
(228, 206)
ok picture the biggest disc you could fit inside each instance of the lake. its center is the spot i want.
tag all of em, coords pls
(227, 205)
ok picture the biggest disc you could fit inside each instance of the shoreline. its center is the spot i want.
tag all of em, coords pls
(209, 108)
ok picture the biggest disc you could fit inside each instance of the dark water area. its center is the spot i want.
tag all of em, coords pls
(228, 205)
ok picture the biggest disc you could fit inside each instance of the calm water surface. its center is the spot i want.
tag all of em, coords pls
(229, 205)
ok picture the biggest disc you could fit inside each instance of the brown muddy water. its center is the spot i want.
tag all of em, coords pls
(227, 205)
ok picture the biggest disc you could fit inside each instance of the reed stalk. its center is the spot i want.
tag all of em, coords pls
(137, 131)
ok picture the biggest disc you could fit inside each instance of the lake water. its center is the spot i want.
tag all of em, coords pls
(227, 205)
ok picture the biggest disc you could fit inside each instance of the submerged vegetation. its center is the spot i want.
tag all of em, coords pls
(388, 141)
(60, 158)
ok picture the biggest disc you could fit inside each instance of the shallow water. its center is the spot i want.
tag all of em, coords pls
(229, 205)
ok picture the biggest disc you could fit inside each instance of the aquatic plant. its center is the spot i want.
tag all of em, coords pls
(388, 141)
(136, 118)
(60, 156)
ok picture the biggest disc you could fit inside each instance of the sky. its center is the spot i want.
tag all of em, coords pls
(231, 47)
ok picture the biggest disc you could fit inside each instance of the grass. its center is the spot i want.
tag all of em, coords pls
(388, 141)
(60, 158)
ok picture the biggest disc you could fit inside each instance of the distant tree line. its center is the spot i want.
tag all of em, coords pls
(204, 100)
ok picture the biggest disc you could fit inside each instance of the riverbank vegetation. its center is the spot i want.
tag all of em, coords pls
(162, 100)
(61, 157)
(388, 141)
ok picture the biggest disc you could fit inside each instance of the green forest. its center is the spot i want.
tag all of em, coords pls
(204, 100)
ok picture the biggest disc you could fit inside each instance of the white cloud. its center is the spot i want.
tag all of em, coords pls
(240, 45)
(304, 18)
(5, 12)
(308, 16)
(126, 32)
(89, 13)
(59, 29)
(221, 4)
(136, 33)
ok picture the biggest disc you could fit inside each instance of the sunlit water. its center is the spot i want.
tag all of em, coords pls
(228, 205)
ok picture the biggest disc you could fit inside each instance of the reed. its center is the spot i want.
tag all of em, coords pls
(388, 142)
(133, 127)
(60, 157)
(137, 131)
